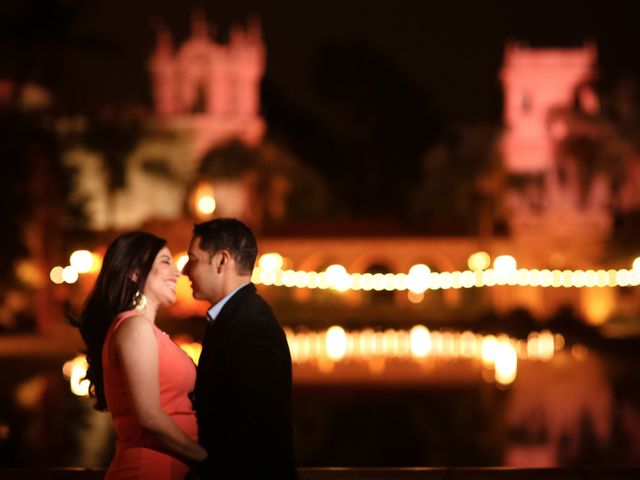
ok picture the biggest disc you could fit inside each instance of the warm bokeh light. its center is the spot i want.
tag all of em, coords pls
(420, 341)
(81, 261)
(418, 279)
(479, 261)
(469, 344)
(543, 345)
(546, 342)
(29, 273)
(270, 262)
(335, 346)
(56, 275)
(69, 274)
(506, 363)
(489, 350)
(75, 370)
(191, 348)
(597, 305)
(203, 200)
(338, 278)
(579, 352)
(336, 343)
(206, 204)
(504, 264)
(97, 263)
(182, 260)
(415, 297)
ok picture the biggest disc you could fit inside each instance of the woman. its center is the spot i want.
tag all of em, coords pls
(136, 371)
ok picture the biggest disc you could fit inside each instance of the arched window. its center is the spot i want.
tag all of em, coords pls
(200, 103)
(375, 297)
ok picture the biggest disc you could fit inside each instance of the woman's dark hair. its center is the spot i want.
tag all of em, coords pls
(129, 254)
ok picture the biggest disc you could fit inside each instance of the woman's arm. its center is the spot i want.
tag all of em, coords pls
(135, 346)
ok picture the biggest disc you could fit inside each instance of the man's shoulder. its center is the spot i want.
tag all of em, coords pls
(253, 302)
(255, 313)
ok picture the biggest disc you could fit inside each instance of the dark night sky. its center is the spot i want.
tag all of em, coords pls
(450, 51)
(408, 65)
(357, 89)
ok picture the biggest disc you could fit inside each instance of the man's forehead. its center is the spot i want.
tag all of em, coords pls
(194, 247)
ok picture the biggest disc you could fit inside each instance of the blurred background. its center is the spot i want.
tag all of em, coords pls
(446, 197)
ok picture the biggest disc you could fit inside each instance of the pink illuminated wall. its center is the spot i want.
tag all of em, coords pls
(207, 88)
(540, 86)
(203, 76)
(535, 82)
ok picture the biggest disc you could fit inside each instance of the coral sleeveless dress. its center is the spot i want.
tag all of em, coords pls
(139, 455)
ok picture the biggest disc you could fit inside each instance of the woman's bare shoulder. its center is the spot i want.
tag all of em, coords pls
(133, 325)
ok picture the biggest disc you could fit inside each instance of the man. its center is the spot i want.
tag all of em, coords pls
(242, 396)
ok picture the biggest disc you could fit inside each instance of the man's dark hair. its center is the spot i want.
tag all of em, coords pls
(231, 235)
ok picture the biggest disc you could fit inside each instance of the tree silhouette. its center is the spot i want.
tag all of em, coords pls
(36, 36)
(282, 180)
(460, 183)
(606, 143)
(380, 125)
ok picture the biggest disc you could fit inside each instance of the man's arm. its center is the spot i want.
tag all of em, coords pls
(257, 370)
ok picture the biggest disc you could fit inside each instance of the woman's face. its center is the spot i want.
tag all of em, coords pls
(161, 281)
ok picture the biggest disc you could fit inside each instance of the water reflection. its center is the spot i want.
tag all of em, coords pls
(382, 398)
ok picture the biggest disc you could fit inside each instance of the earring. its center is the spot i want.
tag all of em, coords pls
(139, 301)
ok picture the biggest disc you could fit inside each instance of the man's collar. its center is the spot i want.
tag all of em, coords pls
(214, 311)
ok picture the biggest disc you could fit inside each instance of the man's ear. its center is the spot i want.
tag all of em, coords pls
(223, 260)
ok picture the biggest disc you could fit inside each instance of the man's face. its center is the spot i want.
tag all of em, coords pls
(206, 280)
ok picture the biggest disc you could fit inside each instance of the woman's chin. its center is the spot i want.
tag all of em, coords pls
(169, 301)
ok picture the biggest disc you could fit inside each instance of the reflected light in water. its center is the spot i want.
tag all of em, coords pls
(420, 339)
(506, 363)
(489, 350)
(336, 343)
(498, 355)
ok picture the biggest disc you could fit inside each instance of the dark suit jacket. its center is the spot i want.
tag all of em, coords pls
(242, 395)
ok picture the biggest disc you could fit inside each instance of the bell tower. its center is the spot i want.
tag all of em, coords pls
(210, 90)
(535, 82)
(540, 87)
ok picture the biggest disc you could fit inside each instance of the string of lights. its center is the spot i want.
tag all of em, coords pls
(417, 280)
(420, 278)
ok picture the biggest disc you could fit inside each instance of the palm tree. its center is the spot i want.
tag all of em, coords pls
(606, 143)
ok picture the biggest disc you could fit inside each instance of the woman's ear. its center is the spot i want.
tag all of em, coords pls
(134, 276)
